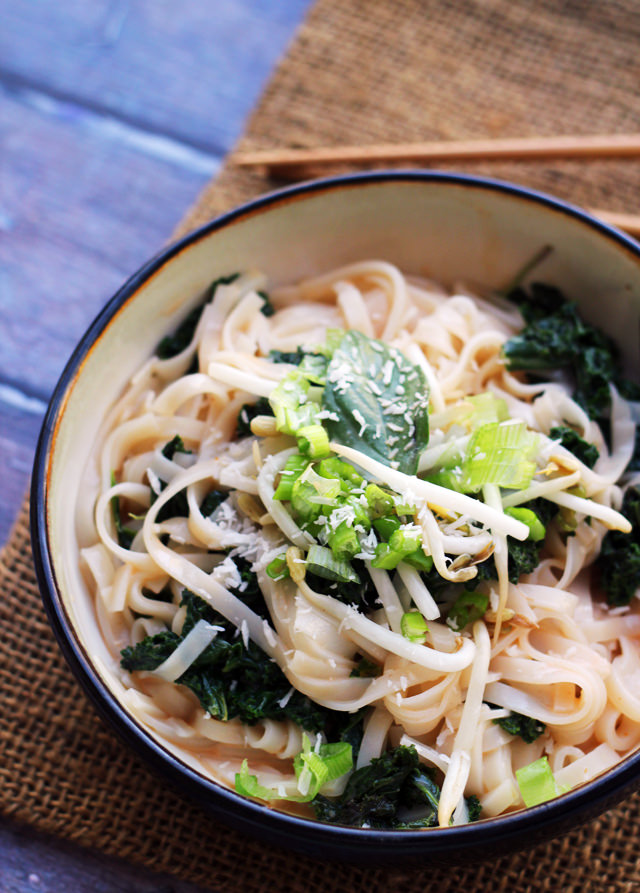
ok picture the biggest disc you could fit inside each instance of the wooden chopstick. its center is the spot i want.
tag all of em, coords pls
(294, 163)
(290, 162)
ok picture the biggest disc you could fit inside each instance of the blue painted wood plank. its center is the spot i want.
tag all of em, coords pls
(191, 70)
(84, 202)
(36, 863)
(20, 421)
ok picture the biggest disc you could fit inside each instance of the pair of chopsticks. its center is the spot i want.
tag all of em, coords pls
(296, 164)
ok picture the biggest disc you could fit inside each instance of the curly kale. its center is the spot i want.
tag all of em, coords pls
(583, 450)
(525, 726)
(524, 557)
(556, 337)
(172, 345)
(619, 559)
(541, 300)
(233, 679)
(393, 791)
(363, 595)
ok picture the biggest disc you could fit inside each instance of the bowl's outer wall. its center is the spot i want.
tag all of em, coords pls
(448, 228)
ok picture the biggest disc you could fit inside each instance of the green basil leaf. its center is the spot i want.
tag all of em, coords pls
(378, 402)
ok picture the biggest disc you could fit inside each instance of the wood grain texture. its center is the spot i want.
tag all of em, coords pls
(81, 208)
(191, 70)
(113, 116)
(40, 864)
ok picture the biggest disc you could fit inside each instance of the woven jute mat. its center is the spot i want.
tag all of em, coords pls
(358, 71)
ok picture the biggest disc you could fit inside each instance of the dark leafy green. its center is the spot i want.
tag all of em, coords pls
(248, 413)
(125, 534)
(467, 608)
(267, 308)
(176, 445)
(525, 726)
(541, 300)
(619, 559)
(363, 594)
(583, 450)
(231, 679)
(293, 357)
(378, 401)
(174, 344)
(524, 557)
(393, 791)
(560, 339)
(212, 500)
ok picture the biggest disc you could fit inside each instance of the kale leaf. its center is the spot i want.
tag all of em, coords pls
(525, 726)
(231, 679)
(172, 345)
(363, 595)
(176, 445)
(212, 500)
(561, 339)
(541, 300)
(378, 402)
(267, 308)
(619, 560)
(373, 794)
(125, 534)
(393, 791)
(583, 450)
(248, 413)
(524, 557)
(293, 357)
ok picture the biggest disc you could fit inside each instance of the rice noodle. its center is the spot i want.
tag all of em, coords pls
(547, 647)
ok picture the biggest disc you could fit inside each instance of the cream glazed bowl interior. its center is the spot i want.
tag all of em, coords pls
(444, 226)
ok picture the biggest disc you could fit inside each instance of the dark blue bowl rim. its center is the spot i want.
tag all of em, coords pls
(260, 820)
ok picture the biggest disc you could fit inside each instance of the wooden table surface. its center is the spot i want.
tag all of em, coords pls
(113, 115)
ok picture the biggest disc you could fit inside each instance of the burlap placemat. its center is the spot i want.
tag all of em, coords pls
(358, 71)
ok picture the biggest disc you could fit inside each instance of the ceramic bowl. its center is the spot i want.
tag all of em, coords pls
(445, 226)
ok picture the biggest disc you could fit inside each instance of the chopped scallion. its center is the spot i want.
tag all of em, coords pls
(414, 627)
(536, 782)
(537, 530)
(322, 562)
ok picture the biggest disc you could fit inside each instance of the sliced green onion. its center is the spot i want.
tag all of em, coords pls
(305, 501)
(468, 607)
(385, 527)
(406, 539)
(536, 782)
(292, 470)
(386, 558)
(313, 440)
(338, 468)
(419, 560)
(314, 367)
(322, 562)
(326, 488)
(278, 569)
(500, 453)
(332, 340)
(249, 786)
(343, 541)
(537, 530)
(314, 769)
(380, 502)
(404, 508)
(414, 627)
(293, 404)
(487, 408)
